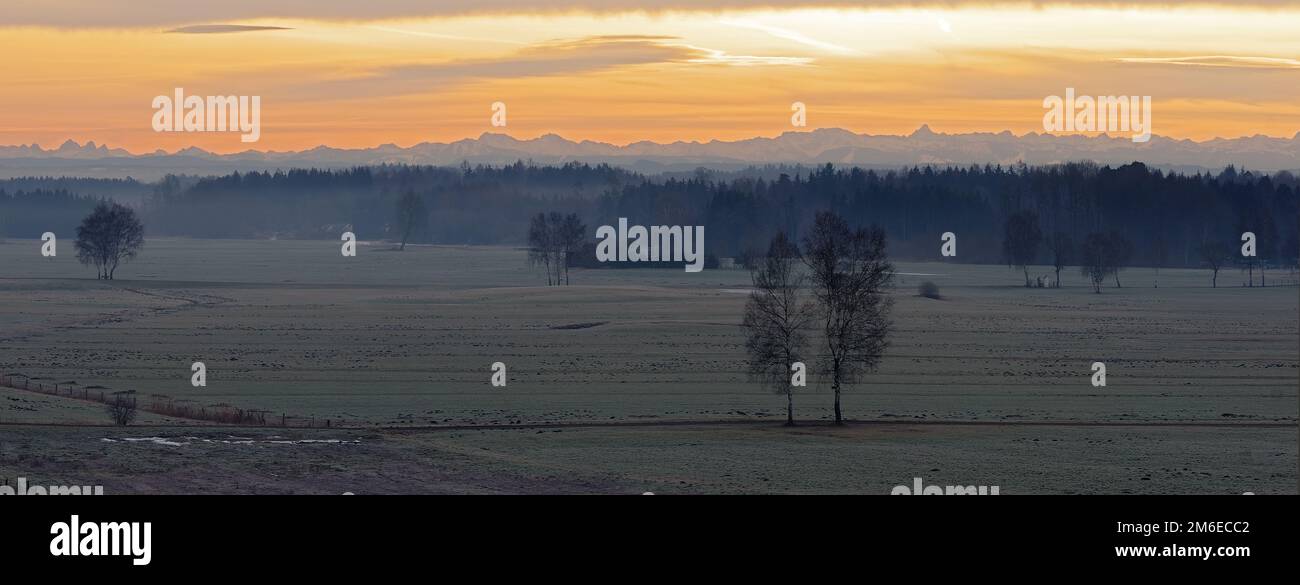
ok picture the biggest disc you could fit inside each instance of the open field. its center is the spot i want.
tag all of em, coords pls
(1201, 393)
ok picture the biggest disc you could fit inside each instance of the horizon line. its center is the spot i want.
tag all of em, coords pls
(922, 130)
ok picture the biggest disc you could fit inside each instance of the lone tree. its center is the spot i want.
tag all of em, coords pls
(108, 236)
(850, 272)
(1062, 248)
(121, 407)
(412, 216)
(1215, 255)
(775, 320)
(1021, 239)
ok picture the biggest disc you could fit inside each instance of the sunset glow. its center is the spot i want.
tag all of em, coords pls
(621, 77)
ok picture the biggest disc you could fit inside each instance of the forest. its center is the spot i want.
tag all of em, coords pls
(1167, 217)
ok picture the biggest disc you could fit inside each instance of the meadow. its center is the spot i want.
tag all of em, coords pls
(630, 379)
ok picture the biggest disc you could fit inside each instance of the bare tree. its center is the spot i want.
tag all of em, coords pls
(775, 320)
(1119, 252)
(850, 272)
(552, 239)
(1215, 255)
(1021, 239)
(411, 215)
(572, 237)
(1062, 248)
(1093, 262)
(540, 243)
(108, 236)
(1159, 255)
(121, 407)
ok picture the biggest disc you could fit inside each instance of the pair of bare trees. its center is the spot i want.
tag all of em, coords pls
(847, 273)
(552, 238)
(1103, 255)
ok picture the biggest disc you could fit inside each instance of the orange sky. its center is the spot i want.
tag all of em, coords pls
(346, 79)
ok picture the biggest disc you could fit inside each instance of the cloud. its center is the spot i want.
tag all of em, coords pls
(561, 57)
(1230, 61)
(433, 35)
(790, 35)
(207, 29)
(154, 13)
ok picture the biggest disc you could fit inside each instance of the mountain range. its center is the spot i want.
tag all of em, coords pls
(827, 145)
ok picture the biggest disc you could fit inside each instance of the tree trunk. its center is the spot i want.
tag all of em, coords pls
(839, 419)
(1058, 278)
(1026, 276)
(789, 407)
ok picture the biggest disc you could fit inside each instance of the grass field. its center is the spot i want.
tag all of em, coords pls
(631, 380)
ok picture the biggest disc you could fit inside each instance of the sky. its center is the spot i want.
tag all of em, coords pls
(360, 74)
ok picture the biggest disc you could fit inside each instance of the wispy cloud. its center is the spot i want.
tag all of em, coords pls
(153, 13)
(445, 36)
(790, 35)
(208, 29)
(1230, 61)
(560, 57)
(719, 57)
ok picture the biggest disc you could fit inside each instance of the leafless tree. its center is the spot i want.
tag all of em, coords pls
(552, 239)
(108, 236)
(776, 318)
(1093, 262)
(850, 272)
(1119, 252)
(1021, 240)
(1159, 255)
(411, 215)
(540, 242)
(572, 237)
(1215, 255)
(1062, 248)
(121, 408)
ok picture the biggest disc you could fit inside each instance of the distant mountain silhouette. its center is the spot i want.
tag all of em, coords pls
(827, 145)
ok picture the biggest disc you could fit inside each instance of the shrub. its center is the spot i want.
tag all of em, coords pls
(121, 408)
(928, 290)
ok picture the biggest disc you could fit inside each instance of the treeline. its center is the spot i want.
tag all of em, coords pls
(126, 190)
(28, 214)
(1167, 217)
(465, 205)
